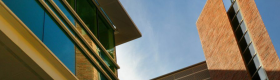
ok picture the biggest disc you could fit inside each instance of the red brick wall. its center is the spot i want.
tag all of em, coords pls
(260, 38)
(220, 47)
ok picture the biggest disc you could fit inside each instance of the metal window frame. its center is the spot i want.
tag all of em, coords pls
(73, 37)
(239, 26)
(251, 42)
(257, 71)
(26, 29)
(104, 14)
(235, 15)
(255, 54)
(243, 36)
(80, 36)
(247, 48)
(88, 31)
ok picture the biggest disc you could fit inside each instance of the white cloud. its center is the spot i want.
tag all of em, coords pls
(154, 54)
(130, 55)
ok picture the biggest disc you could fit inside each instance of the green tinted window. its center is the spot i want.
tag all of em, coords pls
(97, 23)
(87, 11)
(72, 3)
(106, 34)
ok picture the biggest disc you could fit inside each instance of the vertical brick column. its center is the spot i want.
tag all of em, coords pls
(220, 47)
(260, 38)
(84, 69)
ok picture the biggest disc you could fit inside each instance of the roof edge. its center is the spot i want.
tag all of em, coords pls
(179, 70)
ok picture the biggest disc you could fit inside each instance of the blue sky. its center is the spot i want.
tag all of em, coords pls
(170, 39)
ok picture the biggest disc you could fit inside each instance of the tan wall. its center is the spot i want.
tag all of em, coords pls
(260, 38)
(220, 47)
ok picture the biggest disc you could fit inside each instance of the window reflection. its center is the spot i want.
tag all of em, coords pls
(88, 13)
(42, 24)
(247, 38)
(235, 7)
(104, 33)
(243, 27)
(252, 50)
(30, 13)
(239, 17)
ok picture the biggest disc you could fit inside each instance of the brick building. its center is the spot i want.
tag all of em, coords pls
(236, 43)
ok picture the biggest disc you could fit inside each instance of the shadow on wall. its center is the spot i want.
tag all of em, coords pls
(239, 75)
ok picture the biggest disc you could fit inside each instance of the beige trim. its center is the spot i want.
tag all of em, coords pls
(72, 36)
(73, 27)
(20, 34)
(191, 74)
(207, 79)
(180, 70)
(90, 33)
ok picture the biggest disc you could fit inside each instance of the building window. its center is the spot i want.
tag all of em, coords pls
(97, 23)
(245, 43)
(48, 30)
(89, 13)
(106, 34)
(42, 24)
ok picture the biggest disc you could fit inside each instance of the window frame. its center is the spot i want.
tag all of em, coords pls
(75, 39)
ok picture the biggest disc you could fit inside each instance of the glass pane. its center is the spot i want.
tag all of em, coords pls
(247, 38)
(102, 77)
(239, 17)
(256, 77)
(59, 16)
(92, 43)
(247, 56)
(235, 6)
(262, 74)
(242, 44)
(87, 11)
(107, 71)
(234, 23)
(78, 26)
(231, 13)
(252, 68)
(108, 62)
(59, 43)
(252, 49)
(256, 61)
(64, 9)
(238, 33)
(31, 13)
(46, 28)
(106, 35)
(254, 65)
(72, 3)
(243, 27)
